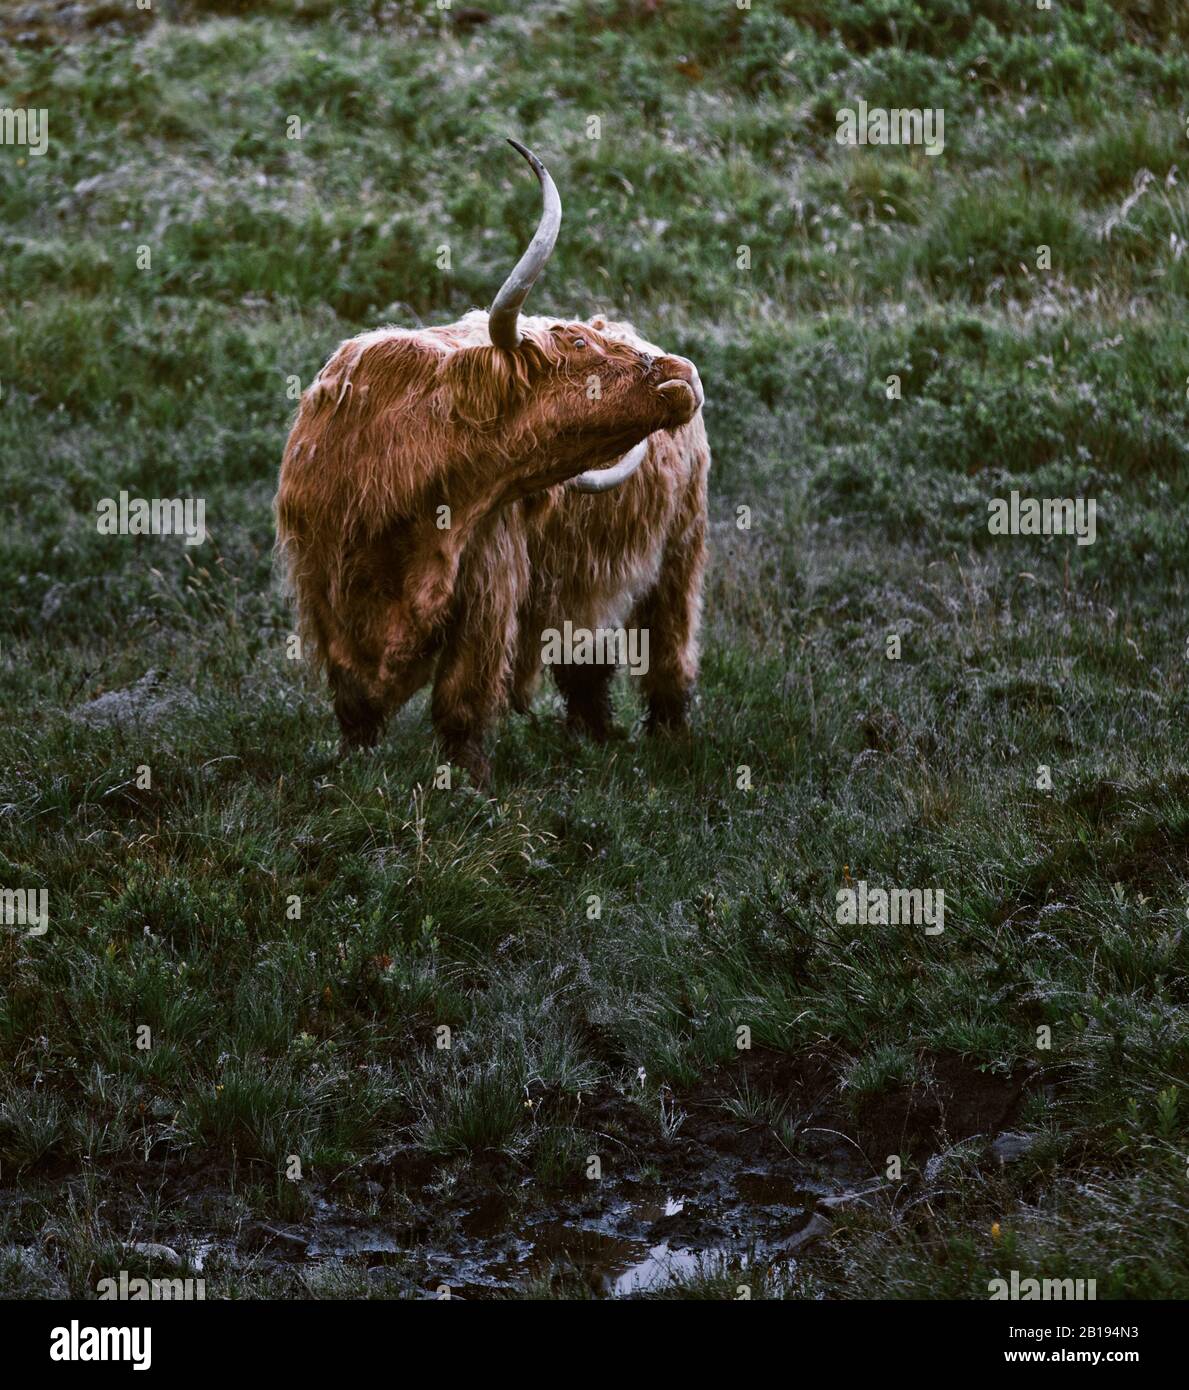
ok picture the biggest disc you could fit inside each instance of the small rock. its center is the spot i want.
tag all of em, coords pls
(152, 1251)
(817, 1227)
(1008, 1147)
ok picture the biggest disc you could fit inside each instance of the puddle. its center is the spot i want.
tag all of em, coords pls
(659, 1267)
(608, 1265)
(620, 1239)
(632, 1245)
(655, 1211)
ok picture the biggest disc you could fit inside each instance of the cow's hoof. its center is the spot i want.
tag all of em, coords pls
(473, 761)
(347, 746)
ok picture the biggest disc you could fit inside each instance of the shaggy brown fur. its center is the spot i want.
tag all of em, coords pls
(393, 589)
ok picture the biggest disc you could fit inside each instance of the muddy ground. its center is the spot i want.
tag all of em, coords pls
(720, 1198)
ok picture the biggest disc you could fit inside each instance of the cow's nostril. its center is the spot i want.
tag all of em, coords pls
(675, 369)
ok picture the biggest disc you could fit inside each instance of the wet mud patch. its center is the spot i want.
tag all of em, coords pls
(955, 1100)
(726, 1197)
(721, 1195)
(729, 1196)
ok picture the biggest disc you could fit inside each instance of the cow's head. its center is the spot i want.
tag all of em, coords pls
(564, 400)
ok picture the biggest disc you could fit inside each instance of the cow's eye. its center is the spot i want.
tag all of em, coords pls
(579, 342)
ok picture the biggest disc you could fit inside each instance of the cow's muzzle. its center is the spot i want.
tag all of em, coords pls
(681, 388)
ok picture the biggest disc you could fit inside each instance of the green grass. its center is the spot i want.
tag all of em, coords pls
(171, 904)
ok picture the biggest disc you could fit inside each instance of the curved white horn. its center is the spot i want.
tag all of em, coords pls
(503, 320)
(604, 479)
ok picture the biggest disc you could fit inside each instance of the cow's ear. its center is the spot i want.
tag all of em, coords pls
(599, 322)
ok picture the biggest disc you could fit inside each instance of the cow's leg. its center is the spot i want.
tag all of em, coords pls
(374, 670)
(473, 676)
(526, 668)
(672, 611)
(587, 693)
(469, 691)
(357, 703)
(363, 702)
(360, 716)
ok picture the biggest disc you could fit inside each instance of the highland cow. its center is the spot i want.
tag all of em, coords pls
(449, 494)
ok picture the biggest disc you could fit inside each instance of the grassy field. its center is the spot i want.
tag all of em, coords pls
(1053, 1004)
